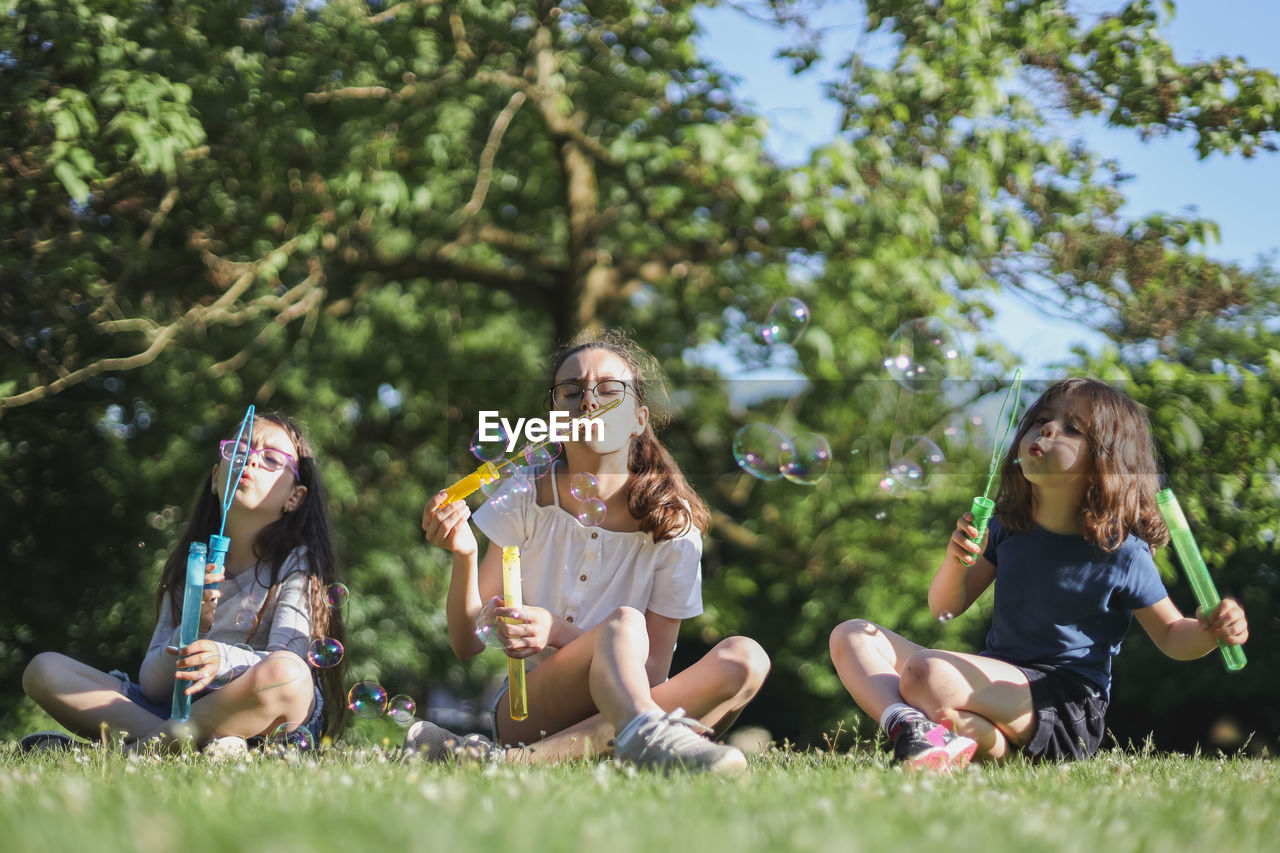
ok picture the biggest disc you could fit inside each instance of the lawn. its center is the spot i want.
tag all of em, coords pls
(360, 799)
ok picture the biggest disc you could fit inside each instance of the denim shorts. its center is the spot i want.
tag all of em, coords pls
(133, 692)
(1070, 715)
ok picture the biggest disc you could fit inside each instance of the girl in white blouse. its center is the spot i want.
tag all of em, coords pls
(603, 604)
(248, 671)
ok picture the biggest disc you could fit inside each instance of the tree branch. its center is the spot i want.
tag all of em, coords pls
(490, 151)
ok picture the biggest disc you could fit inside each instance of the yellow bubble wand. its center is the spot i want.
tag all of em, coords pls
(490, 471)
(512, 597)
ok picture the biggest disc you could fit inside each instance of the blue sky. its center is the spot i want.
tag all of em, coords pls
(1242, 196)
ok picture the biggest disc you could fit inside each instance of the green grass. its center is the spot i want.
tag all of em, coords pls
(355, 800)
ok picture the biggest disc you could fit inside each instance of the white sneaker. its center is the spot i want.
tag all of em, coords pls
(430, 742)
(674, 742)
(230, 748)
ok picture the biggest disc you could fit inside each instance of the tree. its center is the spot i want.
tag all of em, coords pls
(380, 217)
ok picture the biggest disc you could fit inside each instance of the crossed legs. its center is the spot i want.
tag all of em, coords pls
(89, 703)
(982, 698)
(590, 688)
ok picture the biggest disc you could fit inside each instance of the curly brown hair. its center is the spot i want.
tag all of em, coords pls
(657, 492)
(1121, 494)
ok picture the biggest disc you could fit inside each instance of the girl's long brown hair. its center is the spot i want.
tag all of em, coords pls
(307, 525)
(1121, 496)
(657, 492)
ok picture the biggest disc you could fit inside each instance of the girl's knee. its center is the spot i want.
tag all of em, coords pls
(282, 680)
(626, 619)
(41, 673)
(742, 663)
(925, 676)
(851, 633)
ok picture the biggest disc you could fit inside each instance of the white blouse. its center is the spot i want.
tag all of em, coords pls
(582, 574)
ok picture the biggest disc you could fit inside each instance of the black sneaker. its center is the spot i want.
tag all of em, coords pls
(921, 744)
(46, 742)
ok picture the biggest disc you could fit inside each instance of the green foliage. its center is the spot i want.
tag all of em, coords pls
(380, 219)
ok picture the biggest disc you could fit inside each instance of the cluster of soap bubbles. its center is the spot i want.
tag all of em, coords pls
(767, 453)
(516, 475)
(585, 487)
(920, 354)
(369, 700)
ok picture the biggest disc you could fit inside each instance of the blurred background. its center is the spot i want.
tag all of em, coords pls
(381, 217)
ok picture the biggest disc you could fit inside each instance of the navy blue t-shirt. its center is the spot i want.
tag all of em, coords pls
(1064, 602)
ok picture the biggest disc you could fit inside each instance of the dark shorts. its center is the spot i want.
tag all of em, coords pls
(1070, 715)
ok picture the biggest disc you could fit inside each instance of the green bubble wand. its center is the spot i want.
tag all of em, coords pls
(197, 558)
(1184, 544)
(983, 505)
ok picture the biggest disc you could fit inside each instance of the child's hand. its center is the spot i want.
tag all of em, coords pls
(1227, 622)
(198, 662)
(447, 526)
(529, 634)
(209, 600)
(962, 547)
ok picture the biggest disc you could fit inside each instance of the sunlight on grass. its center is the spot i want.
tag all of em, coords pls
(361, 798)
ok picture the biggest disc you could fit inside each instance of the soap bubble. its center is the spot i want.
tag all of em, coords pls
(283, 739)
(536, 459)
(337, 594)
(758, 450)
(244, 619)
(583, 485)
(492, 448)
(511, 492)
(505, 472)
(367, 699)
(786, 321)
(592, 513)
(918, 463)
(401, 709)
(921, 353)
(487, 628)
(325, 652)
(806, 458)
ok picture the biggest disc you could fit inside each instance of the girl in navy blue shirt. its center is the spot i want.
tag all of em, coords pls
(1069, 552)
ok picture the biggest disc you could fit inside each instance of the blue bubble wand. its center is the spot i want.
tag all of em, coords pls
(983, 505)
(197, 557)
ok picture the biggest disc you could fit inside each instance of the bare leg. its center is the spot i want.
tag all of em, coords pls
(983, 698)
(870, 661)
(276, 690)
(713, 691)
(84, 699)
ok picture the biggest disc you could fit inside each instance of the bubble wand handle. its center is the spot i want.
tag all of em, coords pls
(490, 471)
(512, 597)
(189, 628)
(218, 544)
(983, 507)
(1184, 543)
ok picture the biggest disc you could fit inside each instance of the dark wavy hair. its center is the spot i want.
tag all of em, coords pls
(657, 492)
(1120, 497)
(307, 525)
